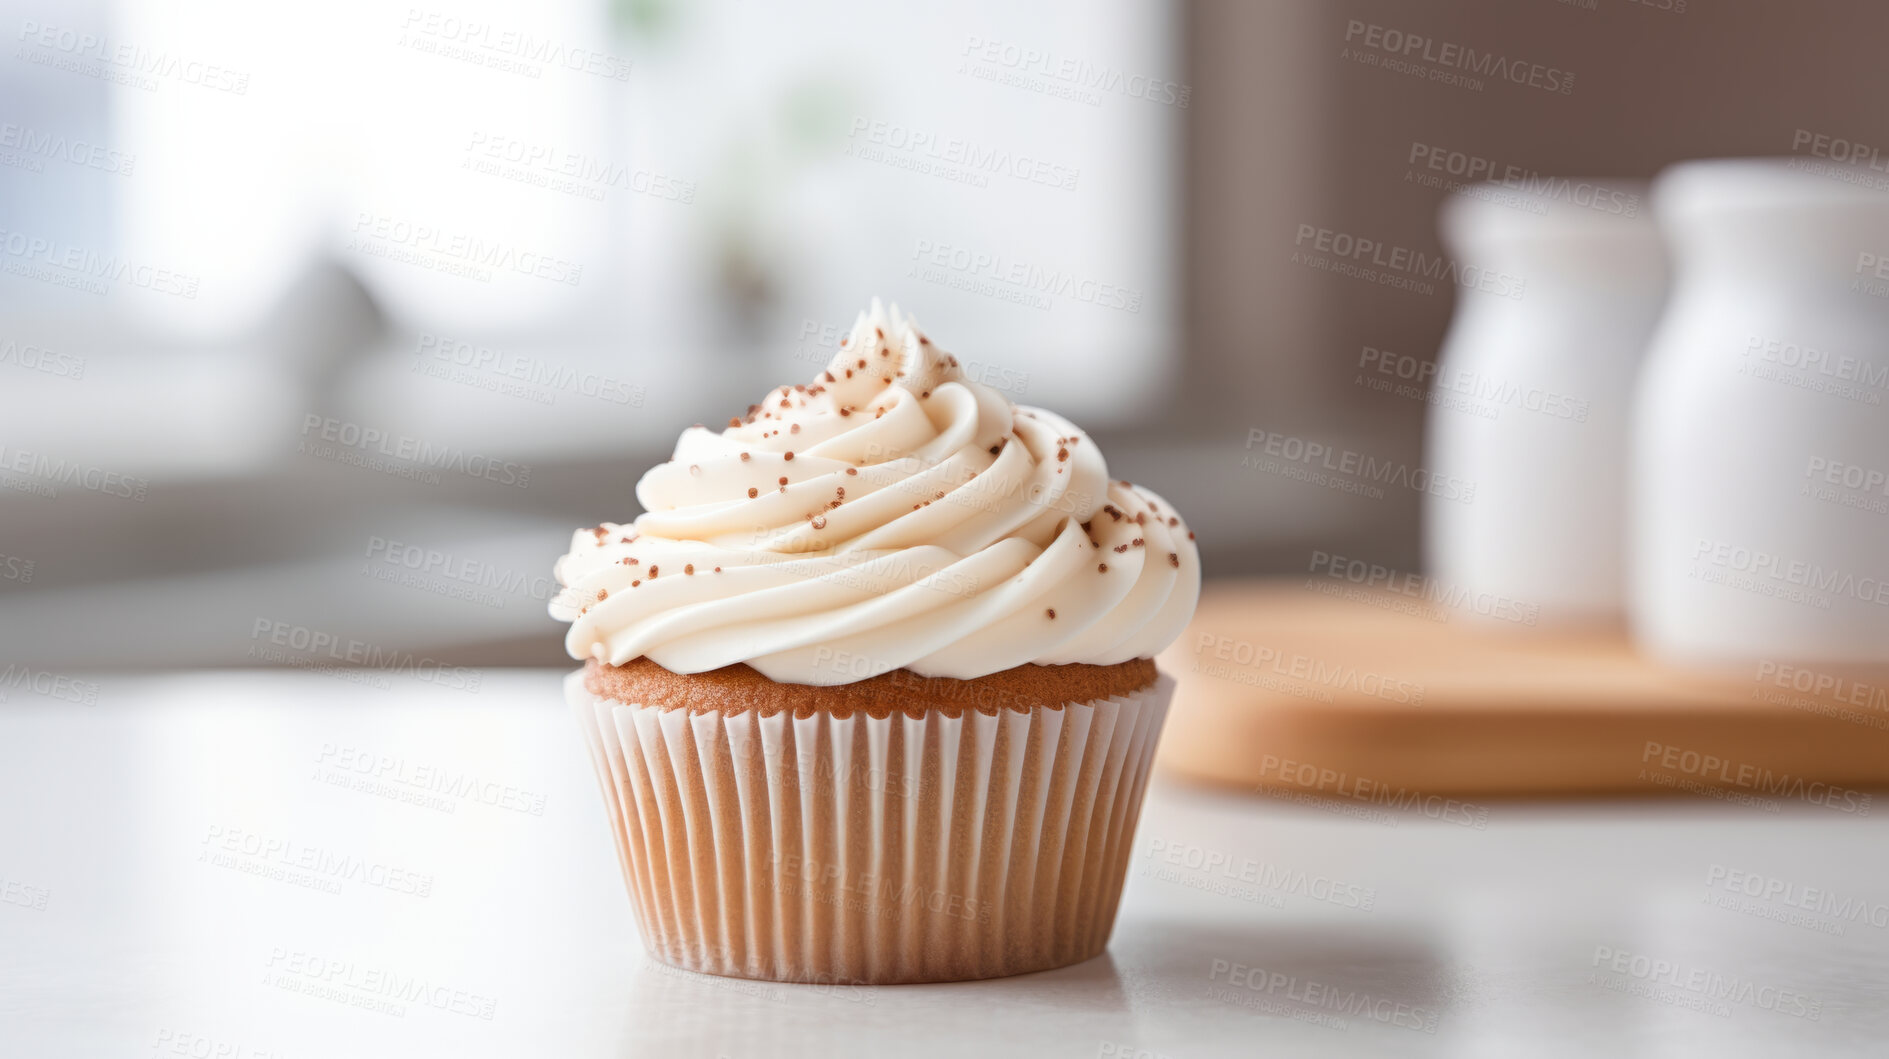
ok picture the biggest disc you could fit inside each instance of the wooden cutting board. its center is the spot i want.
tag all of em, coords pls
(1371, 698)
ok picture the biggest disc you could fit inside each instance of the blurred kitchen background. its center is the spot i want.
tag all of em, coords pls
(345, 315)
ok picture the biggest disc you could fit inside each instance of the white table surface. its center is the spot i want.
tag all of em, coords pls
(133, 924)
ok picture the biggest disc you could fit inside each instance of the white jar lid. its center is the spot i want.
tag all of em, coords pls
(1735, 185)
(1533, 206)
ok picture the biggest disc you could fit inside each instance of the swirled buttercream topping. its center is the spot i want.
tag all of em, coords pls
(894, 513)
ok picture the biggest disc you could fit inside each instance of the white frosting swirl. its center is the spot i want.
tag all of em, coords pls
(893, 513)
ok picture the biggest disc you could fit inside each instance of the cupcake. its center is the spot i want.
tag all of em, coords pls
(869, 684)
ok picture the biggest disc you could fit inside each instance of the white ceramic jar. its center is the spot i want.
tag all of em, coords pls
(1761, 510)
(1532, 397)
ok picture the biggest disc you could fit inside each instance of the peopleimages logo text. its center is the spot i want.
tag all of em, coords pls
(16, 677)
(79, 152)
(315, 644)
(350, 435)
(41, 359)
(1828, 686)
(513, 43)
(36, 467)
(83, 263)
(1418, 48)
(958, 151)
(1812, 899)
(1402, 259)
(525, 369)
(1025, 277)
(1706, 984)
(475, 572)
(544, 164)
(136, 64)
(1076, 72)
(475, 256)
(1317, 671)
(1308, 776)
(1792, 572)
(1838, 149)
(1357, 465)
(1474, 169)
(349, 980)
(1723, 771)
(1314, 996)
(1418, 587)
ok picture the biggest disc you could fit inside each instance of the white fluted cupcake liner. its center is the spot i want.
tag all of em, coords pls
(874, 850)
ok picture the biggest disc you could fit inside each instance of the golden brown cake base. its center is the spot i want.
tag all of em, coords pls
(903, 840)
(737, 688)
